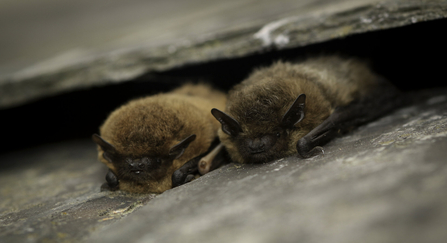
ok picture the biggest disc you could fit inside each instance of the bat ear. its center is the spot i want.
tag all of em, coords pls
(177, 150)
(230, 125)
(105, 146)
(109, 150)
(295, 113)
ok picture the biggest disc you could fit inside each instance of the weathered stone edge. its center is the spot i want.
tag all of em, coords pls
(285, 33)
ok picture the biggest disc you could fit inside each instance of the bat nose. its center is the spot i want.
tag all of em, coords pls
(256, 146)
(137, 165)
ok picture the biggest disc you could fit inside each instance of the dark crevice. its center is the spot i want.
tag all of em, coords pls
(411, 57)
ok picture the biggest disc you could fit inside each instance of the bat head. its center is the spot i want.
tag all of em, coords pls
(141, 168)
(263, 143)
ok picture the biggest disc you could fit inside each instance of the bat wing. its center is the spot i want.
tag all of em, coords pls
(187, 172)
(112, 183)
(382, 100)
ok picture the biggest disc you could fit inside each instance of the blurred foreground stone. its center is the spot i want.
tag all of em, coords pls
(384, 182)
(168, 35)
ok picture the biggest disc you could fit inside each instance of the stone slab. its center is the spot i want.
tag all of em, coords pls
(203, 32)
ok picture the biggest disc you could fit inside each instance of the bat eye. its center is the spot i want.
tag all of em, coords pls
(278, 134)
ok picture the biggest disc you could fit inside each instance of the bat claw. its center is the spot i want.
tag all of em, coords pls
(313, 152)
(201, 164)
(179, 178)
(317, 151)
(305, 151)
(189, 178)
(105, 187)
(112, 183)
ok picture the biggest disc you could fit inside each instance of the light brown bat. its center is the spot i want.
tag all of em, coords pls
(154, 143)
(297, 107)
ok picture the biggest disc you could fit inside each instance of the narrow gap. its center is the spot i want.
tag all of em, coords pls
(408, 56)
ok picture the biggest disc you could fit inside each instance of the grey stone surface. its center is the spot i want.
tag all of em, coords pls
(52, 194)
(86, 44)
(384, 182)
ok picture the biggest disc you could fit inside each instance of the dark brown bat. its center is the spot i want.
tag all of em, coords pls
(154, 143)
(297, 107)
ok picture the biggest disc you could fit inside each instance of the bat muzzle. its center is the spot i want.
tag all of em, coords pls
(137, 166)
(256, 146)
(256, 150)
(260, 144)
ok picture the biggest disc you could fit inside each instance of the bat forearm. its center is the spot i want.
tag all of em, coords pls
(379, 102)
(206, 162)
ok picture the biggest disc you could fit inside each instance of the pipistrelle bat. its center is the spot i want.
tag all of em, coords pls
(154, 143)
(290, 108)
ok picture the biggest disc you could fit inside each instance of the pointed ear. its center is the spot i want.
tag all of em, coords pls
(109, 150)
(295, 113)
(105, 146)
(177, 150)
(230, 125)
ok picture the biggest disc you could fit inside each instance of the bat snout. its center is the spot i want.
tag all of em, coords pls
(261, 143)
(256, 146)
(256, 149)
(137, 166)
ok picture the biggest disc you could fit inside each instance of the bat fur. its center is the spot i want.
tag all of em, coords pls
(149, 128)
(256, 108)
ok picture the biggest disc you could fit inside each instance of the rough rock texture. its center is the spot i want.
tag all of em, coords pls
(384, 182)
(52, 194)
(203, 32)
